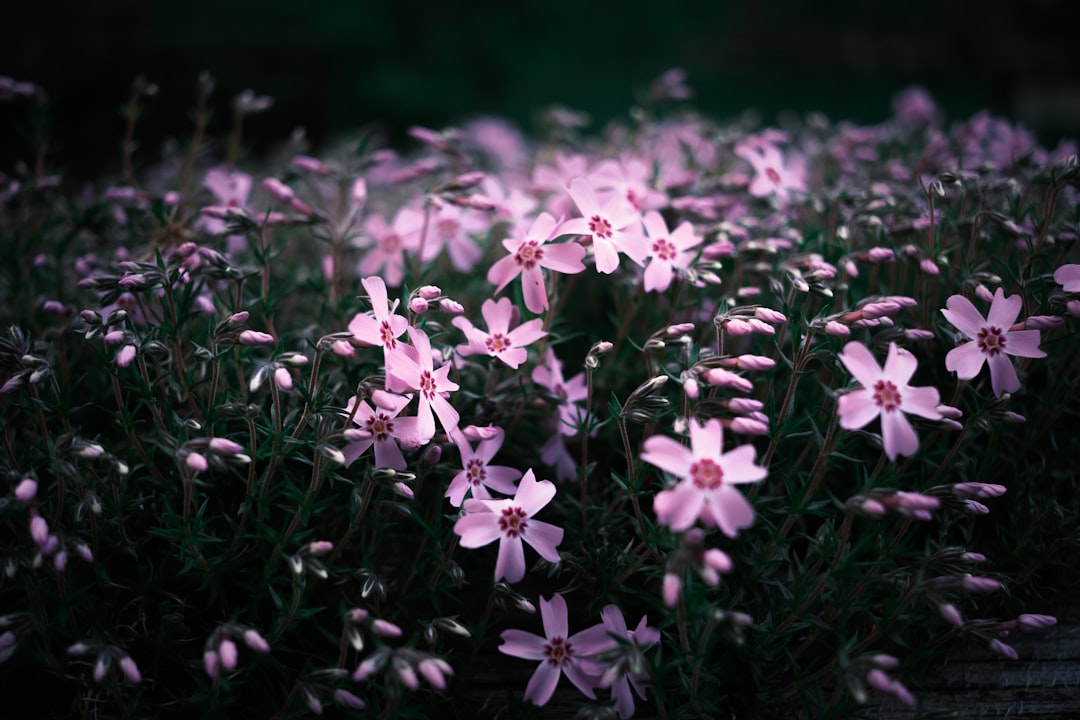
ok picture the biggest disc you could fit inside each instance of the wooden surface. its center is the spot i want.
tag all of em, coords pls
(1043, 683)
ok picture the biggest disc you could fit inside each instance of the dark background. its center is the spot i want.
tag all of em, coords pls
(334, 65)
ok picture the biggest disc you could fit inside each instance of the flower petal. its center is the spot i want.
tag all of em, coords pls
(857, 409)
(667, 454)
(962, 314)
(554, 614)
(522, 644)
(900, 364)
(965, 360)
(733, 512)
(1004, 310)
(542, 683)
(477, 529)
(897, 435)
(1023, 343)
(544, 539)
(860, 362)
(510, 563)
(1002, 374)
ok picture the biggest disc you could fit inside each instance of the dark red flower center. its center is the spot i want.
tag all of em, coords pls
(387, 336)
(600, 227)
(427, 385)
(475, 471)
(558, 651)
(512, 522)
(664, 250)
(380, 426)
(991, 340)
(496, 343)
(529, 254)
(706, 474)
(886, 395)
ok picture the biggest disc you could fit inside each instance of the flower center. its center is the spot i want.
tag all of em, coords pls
(512, 522)
(529, 254)
(706, 474)
(387, 336)
(391, 242)
(496, 343)
(448, 228)
(600, 227)
(991, 340)
(886, 395)
(558, 651)
(427, 385)
(774, 177)
(476, 472)
(380, 426)
(664, 250)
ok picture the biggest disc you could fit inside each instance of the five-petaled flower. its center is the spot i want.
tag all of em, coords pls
(511, 522)
(991, 340)
(383, 429)
(619, 664)
(414, 369)
(667, 250)
(612, 227)
(477, 475)
(886, 392)
(529, 253)
(708, 476)
(558, 652)
(499, 341)
(386, 326)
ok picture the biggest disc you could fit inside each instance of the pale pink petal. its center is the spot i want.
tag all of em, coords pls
(376, 290)
(962, 314)
(1023, 343)
(425, 422)
(897, 435)
(657, 276)
(679, 507)
(1002, 374)
(448, 416)
(503, 271)
(667, 454)
(354, 450)
(457, 489)
(554, 615)
(857, 409)
(921, 401)
(706, 439)
(543, 227)
(533, 495)
(860, 362)
(900, 365)
(497, 315)
(403, 367)
(1068, 276)
(527, 333)
(502, 478)
(581, 191)
(521, 644)
(387, 455)
(542, 683)
(1004, 310)
(655, 225)
(634, 244)
(564, 258)
(739, 467)
(365, 329)
(606, 256)
(510, 563)
(733, 511)
(965, 360)
(544, 538)
(533, 289)
(477, 529)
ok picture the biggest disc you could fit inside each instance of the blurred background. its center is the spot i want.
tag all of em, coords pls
(335, 65)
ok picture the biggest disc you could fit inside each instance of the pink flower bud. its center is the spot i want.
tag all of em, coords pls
(212, 664)
(876, 310)
(255, 641)
(690, 386)
(114, 337)
(1005, 651)
(346, 699)
(282, 378)
(477, 432)
(950, 614)
(130, 670)
(238, 318)
(718, 560)
(983, 293)
(224, 446)
(878, 680)
(343, 348)
(418, 305)
(881, 255)
(429, 292)
(101, 667)
(39, 530)
(755, 362)
(737, 327)
(432, 674)
(719, 377)
(975, 507)
(745, 405)
(978, 490)
(384, 400)
(837, 329)
(125, 356)
(1044, 322)
(748, 426)
(451, 307)
(1073, 306)
(228, 653)
(385, 628)
(917, 335)
(929, 267)
(980, 584)
(278, 190)
(254, 337)
(1037, 622)
(760, 327)
(320, 547)
(358, 193)
(196, 461)
(60, 561)
(672, 589)
(26, 490)
(770, 316)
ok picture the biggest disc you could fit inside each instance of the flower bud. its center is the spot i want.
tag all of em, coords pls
(254, 337)
(228, 654)
(130, 670)
(418, 305)
(255, 641)
(26, 490)
(837, 329)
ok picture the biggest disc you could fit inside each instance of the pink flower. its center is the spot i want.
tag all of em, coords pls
(667, 250)
(477, 475)
(886, 393)
(557, 652)
(708, 476)
(624, 645)
(388, 244)
(386, 326)
(1068, 276)
(613, 227)
(528, 254)
(431, 385)
(549, 375)
(992, 340)
(384, 428)
(500, 341)
(772, 176)
(511, 522)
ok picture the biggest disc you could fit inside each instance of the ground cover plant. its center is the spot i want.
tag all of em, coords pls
(712, 418)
